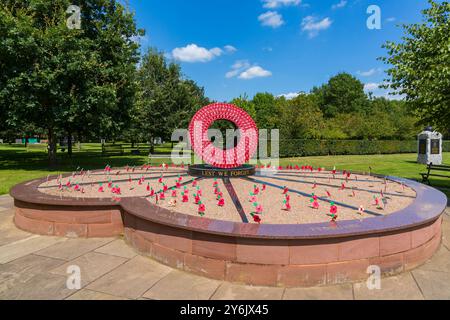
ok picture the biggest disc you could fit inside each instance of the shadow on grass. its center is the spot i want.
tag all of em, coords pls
(34, 160)
(412, 162)
(38, 161)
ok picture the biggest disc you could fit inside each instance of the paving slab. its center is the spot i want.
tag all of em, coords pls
(20, 271)
(6, 200)
(23, 247)
(179, 285)
(439, 262)
(118, 248)
(6, 220)
(6, 204)
(92, 266)
(228, 291)
(41, 287)
(11, 235)
(344, 292)
(434, 285)
(402, 287)
(446, 233)
(73, 248)
(27, 267)
(9, 232)
(85, 294)
(132, 279)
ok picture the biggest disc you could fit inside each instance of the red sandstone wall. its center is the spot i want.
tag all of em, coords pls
(68, 221)
(290, 263)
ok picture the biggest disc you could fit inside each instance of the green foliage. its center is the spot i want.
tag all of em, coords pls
(342, 94)
(299, 118)
(303, 117)
(19, 165)
(338, 110)
(265, 110)
(64, 80)
(244, 103)
(421, 65)
(166, 101)
(57, 81)
(303, 148)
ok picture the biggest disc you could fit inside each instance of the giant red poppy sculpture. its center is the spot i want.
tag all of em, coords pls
(218, 157)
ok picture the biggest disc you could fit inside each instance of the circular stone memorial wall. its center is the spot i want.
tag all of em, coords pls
(289, 255)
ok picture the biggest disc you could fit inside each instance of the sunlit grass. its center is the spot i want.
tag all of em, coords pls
(18, 164)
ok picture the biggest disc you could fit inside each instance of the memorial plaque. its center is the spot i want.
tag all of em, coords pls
(435, 146)
(433, 153)
(207, 171)
(422, 146)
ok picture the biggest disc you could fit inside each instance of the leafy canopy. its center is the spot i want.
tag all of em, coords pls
(421, 65)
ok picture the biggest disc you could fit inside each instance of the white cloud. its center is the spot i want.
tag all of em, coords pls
(237, 68)
(241, 64)
(140, 39)
(243, 69)
(216, 51)
(194, 53)
(339, 5)
(232, 74)
(289, 96)
(377, 92)
(271, 19)
(271, 4)
(230, 49)
(255, 72)
(391, 19)
(372, 86)
(369, 73)
(313, 26)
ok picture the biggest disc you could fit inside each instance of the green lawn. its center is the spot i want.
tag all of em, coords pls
(400, 165)
(18, 164)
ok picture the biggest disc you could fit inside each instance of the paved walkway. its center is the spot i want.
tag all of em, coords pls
(35, 267)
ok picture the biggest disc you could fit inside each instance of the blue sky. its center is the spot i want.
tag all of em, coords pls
(237, 47)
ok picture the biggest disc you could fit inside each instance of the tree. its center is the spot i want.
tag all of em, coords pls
(67, 80)
(342, 94)
(299, 118)
(265, 110)
(244, 103)
(421, 66)
(400, 122)
(188, 98)
(166, 101)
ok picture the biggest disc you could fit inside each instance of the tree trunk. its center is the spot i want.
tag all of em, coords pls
(51, 147)
(69, 144)
(152, 145)
(26, 141)
(80, 138)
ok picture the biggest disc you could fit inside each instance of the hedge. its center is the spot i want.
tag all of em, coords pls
(302, 148)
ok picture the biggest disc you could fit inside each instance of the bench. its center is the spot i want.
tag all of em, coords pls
(168, 156)
(137, 149)
(114, 149)
(432, 167)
